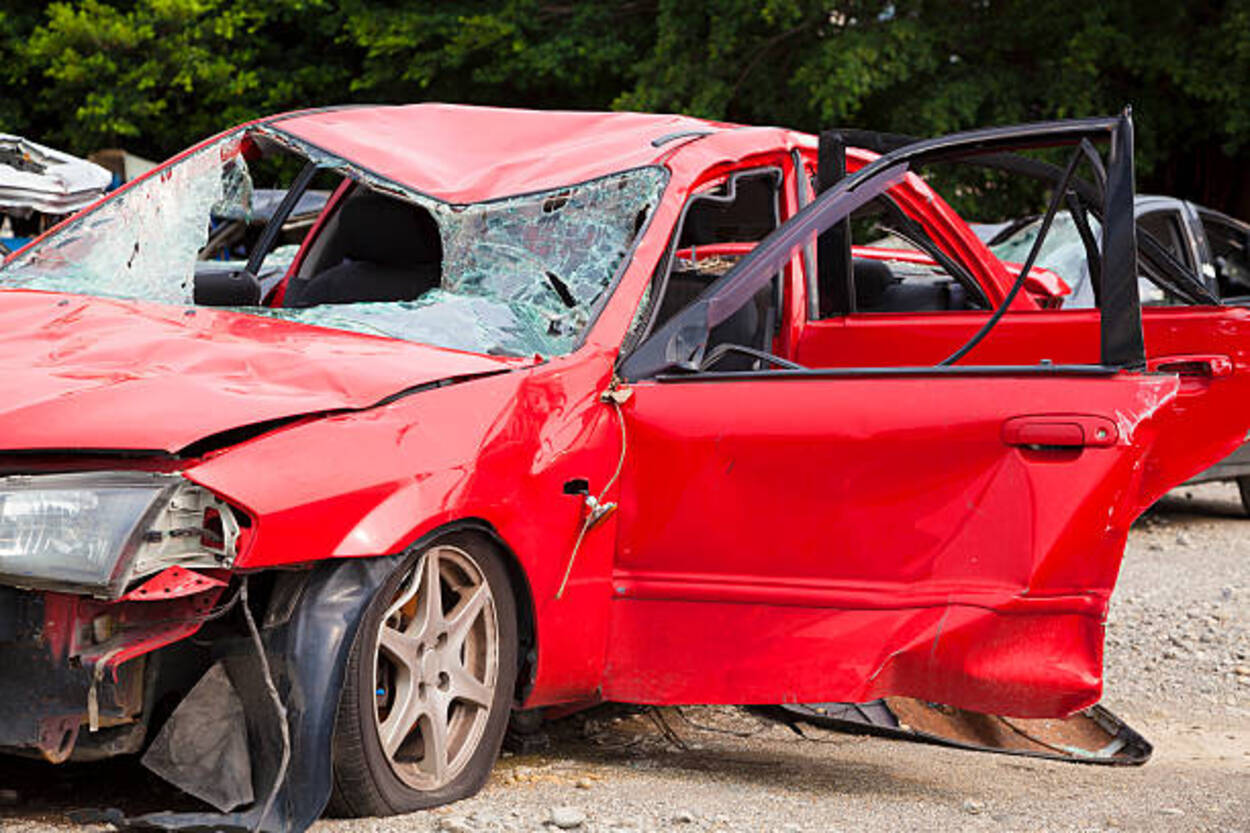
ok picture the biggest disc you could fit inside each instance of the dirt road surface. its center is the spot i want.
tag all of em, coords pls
(1178, 670)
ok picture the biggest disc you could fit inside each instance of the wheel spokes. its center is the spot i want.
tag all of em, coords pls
(465, 686)
(402, 650)
(441, 667)
(464, 615)
(434, 732)
(405, 711)
(429, 615)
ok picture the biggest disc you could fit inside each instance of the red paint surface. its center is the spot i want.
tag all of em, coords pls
(84, 372)
(780, 539)
(173, 583)
(453, 152)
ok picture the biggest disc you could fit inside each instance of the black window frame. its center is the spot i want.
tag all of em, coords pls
(664, 269)
(679, 345)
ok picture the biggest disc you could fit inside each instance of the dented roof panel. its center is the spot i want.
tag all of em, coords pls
(464, 154)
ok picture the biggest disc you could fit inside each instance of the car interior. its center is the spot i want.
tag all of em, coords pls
(1230, 249)
(743, 209)
(896, 286)
(922, 280)
(373, 248)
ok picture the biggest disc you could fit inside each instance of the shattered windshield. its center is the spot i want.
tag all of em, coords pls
(513, 276)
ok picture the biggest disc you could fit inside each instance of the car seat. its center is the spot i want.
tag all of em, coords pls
(389, 250)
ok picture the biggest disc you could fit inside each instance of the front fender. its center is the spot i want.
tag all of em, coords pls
(499, 449)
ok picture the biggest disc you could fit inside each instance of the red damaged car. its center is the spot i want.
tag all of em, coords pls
(558, 408)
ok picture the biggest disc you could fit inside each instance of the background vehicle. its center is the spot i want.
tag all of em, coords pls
(40, 186)
(1212, 245)
(503, 436)
(1209, 243)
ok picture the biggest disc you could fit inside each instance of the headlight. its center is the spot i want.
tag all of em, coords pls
(99, 531)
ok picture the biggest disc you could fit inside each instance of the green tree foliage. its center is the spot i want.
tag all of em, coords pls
(515, 53)
(154, 75)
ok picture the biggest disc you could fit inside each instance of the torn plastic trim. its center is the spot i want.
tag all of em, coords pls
(307, 633)
(1091, 736)
(308, 657)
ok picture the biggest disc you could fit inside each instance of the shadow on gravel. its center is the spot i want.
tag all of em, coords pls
(1177, 507)
(733, 750)
(55, 790)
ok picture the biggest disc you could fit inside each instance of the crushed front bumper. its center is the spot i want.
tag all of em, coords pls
(75, 679)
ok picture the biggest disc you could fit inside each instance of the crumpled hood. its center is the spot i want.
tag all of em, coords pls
(80, 373)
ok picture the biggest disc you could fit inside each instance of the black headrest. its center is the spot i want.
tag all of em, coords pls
(872, 280)
(381, 229)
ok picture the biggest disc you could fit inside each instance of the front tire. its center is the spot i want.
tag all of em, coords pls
(1243, 487)
(429, 683)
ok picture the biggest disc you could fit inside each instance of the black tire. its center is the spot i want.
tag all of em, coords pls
(365, 784)
(1243, 486)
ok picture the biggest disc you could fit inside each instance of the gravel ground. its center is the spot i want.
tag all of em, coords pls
(1178, 670)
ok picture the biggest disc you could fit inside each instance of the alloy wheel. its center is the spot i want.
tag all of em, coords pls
(435, 667)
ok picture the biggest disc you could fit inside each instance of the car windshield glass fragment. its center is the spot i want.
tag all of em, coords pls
(513, 276)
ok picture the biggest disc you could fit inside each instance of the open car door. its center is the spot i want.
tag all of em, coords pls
(949, 532)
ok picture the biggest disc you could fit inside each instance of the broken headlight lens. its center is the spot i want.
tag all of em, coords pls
(95, 532)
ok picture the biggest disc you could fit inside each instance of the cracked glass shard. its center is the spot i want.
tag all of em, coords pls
(521, 275)
(143, 242)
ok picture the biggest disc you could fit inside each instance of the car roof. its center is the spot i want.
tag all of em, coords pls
(462, 154)
(1153, 202)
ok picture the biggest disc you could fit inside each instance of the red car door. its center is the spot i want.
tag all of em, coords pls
(953, 537)
(816, 534)
(1208, 345)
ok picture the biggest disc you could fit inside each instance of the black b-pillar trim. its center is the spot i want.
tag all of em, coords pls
(1123, 344)
(835, 280)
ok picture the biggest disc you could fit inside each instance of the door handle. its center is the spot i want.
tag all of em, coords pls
(1041, 431)
(1212, 366)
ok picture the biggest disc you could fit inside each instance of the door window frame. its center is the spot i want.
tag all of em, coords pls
(677, 348)
(658, 286)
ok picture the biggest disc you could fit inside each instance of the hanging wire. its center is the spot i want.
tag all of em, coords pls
(284, 729)
(590, 516)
